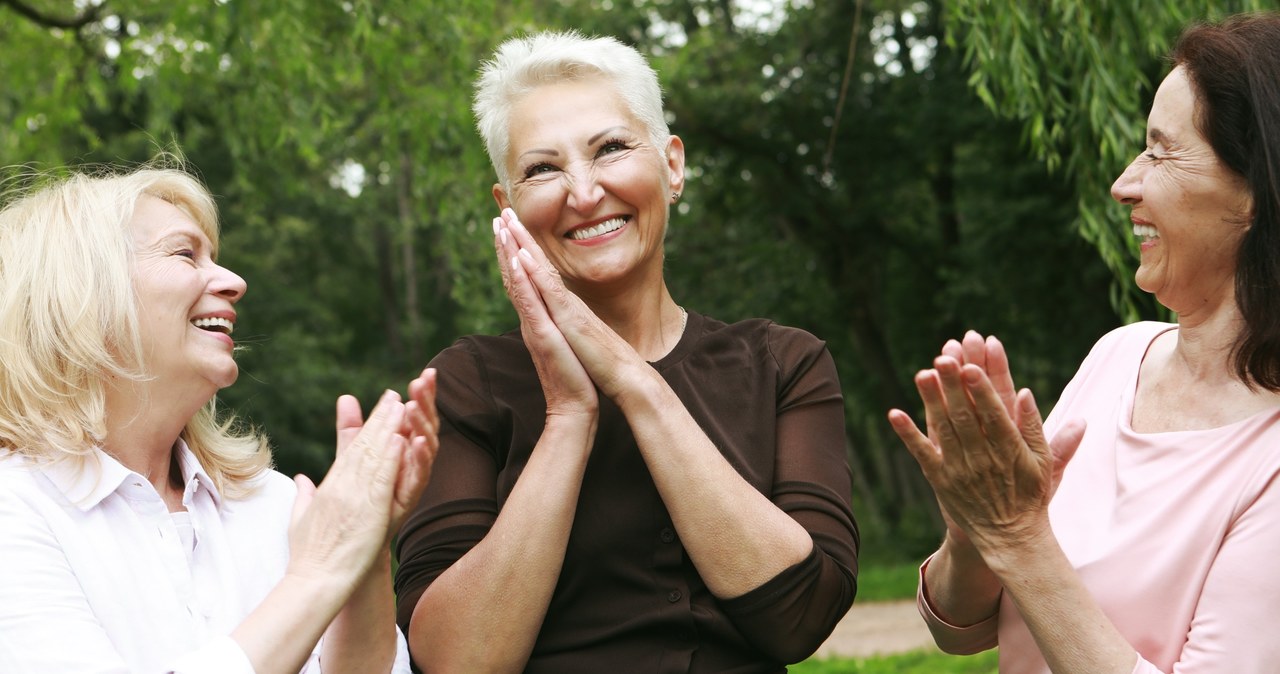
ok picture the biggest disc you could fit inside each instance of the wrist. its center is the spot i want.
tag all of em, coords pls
(1015, 550)
(636, 386)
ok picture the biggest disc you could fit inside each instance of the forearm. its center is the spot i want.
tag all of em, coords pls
(279, 635)
(736, 537)
(362, 638)
(959, 586)
(1073, 633)
(483, 614)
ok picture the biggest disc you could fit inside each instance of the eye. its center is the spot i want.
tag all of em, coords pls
(187, 253)
(611, 146)
(538, 169)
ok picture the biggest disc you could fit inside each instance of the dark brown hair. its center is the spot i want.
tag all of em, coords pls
(1234, 67)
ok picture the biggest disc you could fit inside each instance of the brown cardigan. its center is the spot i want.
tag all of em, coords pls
(628, 598)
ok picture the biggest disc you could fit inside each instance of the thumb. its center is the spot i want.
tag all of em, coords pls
(306, 492)
(1064, 445)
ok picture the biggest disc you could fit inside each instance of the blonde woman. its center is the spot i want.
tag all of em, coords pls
(138, 531)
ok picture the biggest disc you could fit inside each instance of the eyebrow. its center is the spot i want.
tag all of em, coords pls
(1156, 136)
(540, 150)
(592, 140)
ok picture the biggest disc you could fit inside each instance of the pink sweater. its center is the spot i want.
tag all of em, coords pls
(1174, 534)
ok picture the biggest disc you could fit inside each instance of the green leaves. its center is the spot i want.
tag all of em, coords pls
(1079, 76)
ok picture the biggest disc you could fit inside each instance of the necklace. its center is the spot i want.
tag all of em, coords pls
(684, 319)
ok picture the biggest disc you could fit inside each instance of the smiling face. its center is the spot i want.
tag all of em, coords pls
(1189, 210)
(185, 301)
(589, 184)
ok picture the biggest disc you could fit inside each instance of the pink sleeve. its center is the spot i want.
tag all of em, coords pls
(951, 638)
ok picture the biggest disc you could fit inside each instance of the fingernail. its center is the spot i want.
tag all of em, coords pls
(497, 225)
(527, 255)
(515, 263)
(503, 236)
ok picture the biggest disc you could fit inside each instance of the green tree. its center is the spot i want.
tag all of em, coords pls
(844, 178)
(1079, 75)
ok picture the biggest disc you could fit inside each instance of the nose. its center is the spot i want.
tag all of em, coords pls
(227, 284)
(585, 191)
(1127, 189)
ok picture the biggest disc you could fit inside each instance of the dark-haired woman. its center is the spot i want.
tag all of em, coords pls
(1144, 536)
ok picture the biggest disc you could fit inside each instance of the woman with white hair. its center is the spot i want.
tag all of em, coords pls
(622, 482)
(138, 531)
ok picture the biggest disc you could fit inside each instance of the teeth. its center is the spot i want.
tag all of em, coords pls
(218, 324)
(598, 230)
(1145, 231)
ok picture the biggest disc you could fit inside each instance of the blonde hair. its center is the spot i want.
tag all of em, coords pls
(68, 318)
(523, 64)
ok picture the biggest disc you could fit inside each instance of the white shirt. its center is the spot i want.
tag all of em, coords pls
(96, 575)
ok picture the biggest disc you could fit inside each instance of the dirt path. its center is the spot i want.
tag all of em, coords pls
(878, 628)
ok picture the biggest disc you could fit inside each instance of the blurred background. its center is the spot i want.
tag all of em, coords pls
(882, 173)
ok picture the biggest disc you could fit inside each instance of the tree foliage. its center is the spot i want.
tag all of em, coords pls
(1079, 75)
(867, 195)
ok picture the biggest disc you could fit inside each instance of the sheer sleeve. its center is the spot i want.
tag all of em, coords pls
(792, 614)
(460, 504)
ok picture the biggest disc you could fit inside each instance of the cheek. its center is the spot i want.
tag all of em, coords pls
(538, 205)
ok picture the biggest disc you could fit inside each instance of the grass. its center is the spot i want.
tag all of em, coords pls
(887, 580)
(919, 662)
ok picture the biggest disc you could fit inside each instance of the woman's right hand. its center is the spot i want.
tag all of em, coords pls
(568, 388)
(340, 528)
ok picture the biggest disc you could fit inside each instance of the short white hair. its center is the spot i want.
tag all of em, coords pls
(523, 64)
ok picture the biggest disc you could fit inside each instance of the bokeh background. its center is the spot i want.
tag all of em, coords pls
(883, 173)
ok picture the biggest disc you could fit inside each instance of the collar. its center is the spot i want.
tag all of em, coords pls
(87, 481)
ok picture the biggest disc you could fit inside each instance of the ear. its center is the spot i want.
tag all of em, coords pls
(500, 196)
(675, 163)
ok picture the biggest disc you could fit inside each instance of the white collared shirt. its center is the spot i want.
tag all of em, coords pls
(96, 575)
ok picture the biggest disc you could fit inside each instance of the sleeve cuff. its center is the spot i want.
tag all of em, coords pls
(951, 638)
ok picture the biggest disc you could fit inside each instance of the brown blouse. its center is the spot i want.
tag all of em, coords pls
(628, 597)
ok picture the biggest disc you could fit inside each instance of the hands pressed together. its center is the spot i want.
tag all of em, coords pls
(573, 350)
(984, 451)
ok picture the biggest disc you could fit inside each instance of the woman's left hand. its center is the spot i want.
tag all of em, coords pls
(992, 475)
(603, 354)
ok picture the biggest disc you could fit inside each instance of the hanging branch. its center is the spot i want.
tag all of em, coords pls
(89, 16)
(844, 87)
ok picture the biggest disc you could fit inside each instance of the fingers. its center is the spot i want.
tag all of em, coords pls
(975, 349)
(1030, 425)
(523, 239)
(349, 421)
(420, 411)
(306, 492)
(1063, 446)
(953, 349)
(373, 456)
(923, 449)
(998, 372)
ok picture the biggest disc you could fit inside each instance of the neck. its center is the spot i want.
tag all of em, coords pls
(646, 317)
(143, 425)
(1205, 340)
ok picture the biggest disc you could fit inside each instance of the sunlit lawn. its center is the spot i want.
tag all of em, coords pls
(920, 662)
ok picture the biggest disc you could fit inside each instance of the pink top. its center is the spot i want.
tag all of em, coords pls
(1174, 534)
